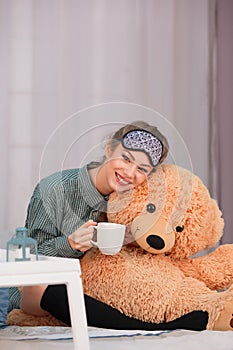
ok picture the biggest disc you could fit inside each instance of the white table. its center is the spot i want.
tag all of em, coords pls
(52, 270)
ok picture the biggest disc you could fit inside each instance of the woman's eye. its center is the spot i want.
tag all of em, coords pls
(179, 228)
(126, 158)
(150, 208)
(143, 170)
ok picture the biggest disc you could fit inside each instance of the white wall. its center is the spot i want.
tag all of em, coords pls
(60, 57)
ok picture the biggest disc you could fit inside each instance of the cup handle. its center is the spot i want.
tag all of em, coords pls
(94, 243)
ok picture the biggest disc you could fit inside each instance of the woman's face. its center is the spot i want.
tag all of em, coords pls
(124, 169)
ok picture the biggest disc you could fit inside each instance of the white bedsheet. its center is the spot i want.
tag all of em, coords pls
(40, 338)
(61, 333)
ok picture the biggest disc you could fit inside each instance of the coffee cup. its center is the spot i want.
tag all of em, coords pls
(109, 237)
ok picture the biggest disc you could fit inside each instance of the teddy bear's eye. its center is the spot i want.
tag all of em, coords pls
(150, 208)
(179, 228)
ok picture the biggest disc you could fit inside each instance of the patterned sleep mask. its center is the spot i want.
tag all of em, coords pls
(141, 140)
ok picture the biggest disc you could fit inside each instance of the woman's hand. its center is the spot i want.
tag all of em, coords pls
(80, 239)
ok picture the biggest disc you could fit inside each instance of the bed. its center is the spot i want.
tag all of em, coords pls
(25, 338)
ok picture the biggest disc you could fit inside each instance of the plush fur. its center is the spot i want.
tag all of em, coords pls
(19, 318)
(172, 218)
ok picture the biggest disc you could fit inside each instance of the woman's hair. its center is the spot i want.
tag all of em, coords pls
(116, 138)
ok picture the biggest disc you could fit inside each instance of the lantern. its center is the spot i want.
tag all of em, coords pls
(20, 245)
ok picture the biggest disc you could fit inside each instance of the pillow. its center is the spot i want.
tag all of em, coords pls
(4, 300)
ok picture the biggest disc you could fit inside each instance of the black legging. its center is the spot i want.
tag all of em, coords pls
(55, 301)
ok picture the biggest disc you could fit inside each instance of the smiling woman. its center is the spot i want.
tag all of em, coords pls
(121, 171)
(130, 156)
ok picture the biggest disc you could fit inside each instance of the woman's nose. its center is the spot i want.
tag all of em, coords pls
(130, 170)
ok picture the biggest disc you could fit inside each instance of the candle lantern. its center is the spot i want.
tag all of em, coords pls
(20, 245)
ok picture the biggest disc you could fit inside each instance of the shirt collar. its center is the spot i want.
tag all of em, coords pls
(90, 194)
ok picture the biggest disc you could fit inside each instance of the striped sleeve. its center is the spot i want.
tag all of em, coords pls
(44, 218)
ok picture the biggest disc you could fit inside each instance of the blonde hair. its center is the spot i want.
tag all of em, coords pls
(118, 136)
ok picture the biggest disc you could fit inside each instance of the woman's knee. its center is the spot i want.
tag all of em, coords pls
(30, 300)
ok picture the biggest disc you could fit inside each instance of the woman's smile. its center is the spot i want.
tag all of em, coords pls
(122, 180)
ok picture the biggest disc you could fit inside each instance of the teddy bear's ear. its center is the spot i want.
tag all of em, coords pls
(202, 221)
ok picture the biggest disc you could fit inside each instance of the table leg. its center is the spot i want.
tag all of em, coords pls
(77, 312)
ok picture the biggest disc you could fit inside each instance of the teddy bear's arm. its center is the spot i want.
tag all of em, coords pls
(214, 269)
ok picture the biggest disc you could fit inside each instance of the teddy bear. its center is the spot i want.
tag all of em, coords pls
(172, 218)
(172, 263)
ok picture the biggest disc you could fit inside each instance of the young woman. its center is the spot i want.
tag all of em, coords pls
(66, 205)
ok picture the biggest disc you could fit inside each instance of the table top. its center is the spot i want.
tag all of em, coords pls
(43, 264)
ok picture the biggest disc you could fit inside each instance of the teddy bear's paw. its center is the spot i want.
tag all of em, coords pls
(19, 318)
(225, 320)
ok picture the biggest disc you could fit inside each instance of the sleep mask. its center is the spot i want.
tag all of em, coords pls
(141, 140)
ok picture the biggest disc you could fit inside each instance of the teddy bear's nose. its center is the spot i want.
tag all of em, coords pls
(155, 242)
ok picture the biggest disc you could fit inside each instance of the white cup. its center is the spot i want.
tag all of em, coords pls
(110, 237)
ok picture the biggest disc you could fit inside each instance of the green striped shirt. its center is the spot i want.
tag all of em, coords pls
(60, 204)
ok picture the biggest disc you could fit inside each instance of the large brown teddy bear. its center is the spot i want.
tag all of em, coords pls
(172, 218)
(156, 278)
